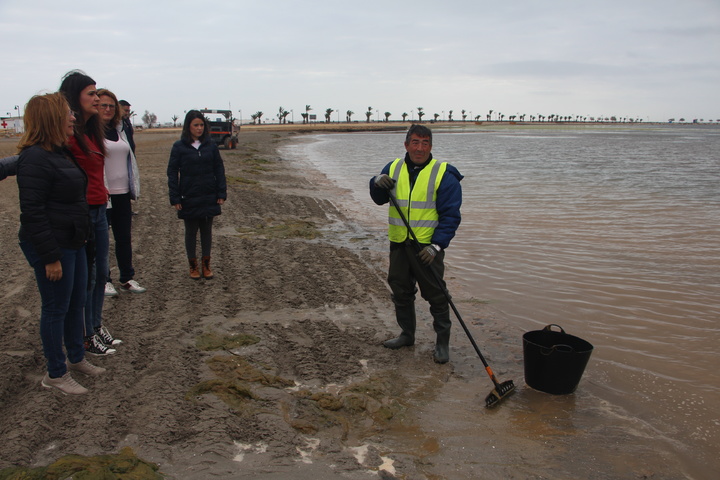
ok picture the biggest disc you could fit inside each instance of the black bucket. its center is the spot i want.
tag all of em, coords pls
(554, 361)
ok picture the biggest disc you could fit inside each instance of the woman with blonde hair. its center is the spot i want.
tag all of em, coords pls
(54, 229)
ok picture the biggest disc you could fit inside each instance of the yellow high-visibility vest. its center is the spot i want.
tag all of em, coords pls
(418, 206)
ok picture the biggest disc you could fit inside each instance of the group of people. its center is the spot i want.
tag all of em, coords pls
(77, 175)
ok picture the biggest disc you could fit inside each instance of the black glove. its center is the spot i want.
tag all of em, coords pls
(427, 254)
(384, 181)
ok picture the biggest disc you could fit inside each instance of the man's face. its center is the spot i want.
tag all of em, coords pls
(126, 111)
(418, 148)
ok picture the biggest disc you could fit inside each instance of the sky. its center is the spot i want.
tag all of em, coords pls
(649, 60)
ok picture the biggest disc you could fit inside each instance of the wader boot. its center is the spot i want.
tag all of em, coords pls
(405, 316)
(442, 324)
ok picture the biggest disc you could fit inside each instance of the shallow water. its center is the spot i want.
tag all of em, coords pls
(611, 233)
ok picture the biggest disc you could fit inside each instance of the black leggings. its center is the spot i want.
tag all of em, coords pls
(192, 225)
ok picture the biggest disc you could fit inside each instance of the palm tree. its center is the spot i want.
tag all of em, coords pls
(175, 119)
(420, 113)
(436, 115)
(387, 116)
(464, 116)
(450, 112)
(489, 115)
(328, 112)
(348, 115)
(282, 115)
(404, 116)
(368, 114)
(306, 117)
(259, 115)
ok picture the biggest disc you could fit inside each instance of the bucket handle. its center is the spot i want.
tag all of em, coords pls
(561, 347)
(549, 327)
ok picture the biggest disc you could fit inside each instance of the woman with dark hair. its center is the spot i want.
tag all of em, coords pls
(196, 182)
(54, 229)
(122, 178)
(87, 146)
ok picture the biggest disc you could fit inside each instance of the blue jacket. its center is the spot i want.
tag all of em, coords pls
(448, 203)
(196, 179)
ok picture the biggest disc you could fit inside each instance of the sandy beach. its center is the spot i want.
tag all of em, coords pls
(274, 369)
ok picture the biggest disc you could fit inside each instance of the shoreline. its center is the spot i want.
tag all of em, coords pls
(316, 396)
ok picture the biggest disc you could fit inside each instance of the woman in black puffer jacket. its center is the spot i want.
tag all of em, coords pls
(197, 186)
(54, 230)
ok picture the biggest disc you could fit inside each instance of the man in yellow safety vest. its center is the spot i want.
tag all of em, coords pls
(429, 195)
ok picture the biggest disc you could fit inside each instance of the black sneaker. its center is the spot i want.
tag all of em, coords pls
(104, 334)
(95, 346)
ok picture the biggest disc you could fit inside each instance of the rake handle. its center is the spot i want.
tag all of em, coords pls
(416, 243)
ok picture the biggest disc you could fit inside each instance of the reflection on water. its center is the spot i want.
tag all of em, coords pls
(612, 233)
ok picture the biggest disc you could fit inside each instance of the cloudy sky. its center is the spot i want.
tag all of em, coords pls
(646, 59)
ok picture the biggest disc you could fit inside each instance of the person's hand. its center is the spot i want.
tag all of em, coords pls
(53, 271)
(427, 254)
(178, 206)
(384, 181)
(220, 201)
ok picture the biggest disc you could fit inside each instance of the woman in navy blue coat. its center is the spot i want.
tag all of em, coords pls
(197, 186)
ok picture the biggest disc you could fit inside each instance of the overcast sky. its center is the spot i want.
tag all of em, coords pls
(646, 59)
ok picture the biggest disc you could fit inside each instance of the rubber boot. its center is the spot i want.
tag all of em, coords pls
(194, 272)
(405, 316)
(442, 324)
(207, 273)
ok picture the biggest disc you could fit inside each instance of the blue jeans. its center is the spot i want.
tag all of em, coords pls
(61, 317)
(98, 267)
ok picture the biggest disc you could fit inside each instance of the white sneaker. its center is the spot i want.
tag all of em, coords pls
(66, 384)
(83, 366)
(132, 286)
(110, 290)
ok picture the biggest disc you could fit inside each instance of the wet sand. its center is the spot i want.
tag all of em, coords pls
(275, 369)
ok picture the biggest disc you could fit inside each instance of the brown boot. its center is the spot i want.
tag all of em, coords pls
(207, 273)
(194, 272)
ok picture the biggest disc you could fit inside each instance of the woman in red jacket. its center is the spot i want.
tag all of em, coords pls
(87, 145)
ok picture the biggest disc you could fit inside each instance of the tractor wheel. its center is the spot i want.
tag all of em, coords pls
(227, 143)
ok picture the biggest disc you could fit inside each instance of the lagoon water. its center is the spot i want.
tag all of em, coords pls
(610, 232)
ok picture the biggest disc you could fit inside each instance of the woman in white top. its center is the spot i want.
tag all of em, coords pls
(122, 179)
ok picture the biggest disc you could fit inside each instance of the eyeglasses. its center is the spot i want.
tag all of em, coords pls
(107, 106)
